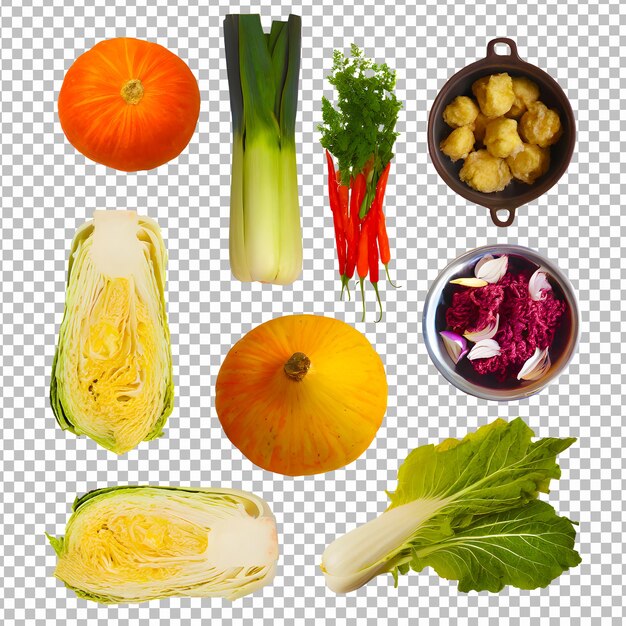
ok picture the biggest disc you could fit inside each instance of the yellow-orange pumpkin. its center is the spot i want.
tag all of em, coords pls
(129, 104)
(302, 394)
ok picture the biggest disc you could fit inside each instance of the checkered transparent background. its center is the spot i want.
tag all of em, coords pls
(48, 189)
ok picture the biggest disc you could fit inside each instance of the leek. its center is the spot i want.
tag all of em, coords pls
(263, 70)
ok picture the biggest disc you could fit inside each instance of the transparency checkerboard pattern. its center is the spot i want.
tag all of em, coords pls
(48, 190)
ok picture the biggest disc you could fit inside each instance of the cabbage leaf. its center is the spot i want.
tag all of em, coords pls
(112, 371)
(138, 543)
(467, 508)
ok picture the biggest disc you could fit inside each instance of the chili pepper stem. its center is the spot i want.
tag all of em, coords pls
(380, 304)
(345, 286)
(362, 298)
(389, 277)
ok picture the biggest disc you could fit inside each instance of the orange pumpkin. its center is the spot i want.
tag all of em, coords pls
(302, 394)
(129, 104)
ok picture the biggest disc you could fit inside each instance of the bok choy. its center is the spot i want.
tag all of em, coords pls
(138, 543)
(469, 510)
(263, 72)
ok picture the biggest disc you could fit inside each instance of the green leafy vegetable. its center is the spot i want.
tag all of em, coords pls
(360, 130)
(263, 72)
(139, 543)
(112, 371)
(468, 509)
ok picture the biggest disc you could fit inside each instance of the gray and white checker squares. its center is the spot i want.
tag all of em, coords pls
(48, 189)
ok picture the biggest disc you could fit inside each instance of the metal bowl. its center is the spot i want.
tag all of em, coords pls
(462, 375)
(516, 193)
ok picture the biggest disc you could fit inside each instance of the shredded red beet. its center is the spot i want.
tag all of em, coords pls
(525, 324)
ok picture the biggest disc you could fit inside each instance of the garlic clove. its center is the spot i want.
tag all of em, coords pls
(455, 345)
(536, 366)
(539, 284)
(469, 282)
(492, 270)
(484, 349)
(480, 263)
(486, 333)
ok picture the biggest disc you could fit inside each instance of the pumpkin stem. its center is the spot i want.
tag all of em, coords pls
(297, 366)
(132, 91)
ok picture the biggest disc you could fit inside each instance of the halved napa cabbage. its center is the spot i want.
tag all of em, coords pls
(139, 543)
(112, 371)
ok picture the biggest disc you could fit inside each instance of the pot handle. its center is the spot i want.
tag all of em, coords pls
(506, 222)
(491, 47)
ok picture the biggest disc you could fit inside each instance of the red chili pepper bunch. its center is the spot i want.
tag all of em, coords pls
(360, 236)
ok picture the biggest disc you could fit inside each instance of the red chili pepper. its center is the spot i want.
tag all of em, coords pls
(381, 185)
(333, 194)
(361, 241)
(373, 216)
(372, 244)
(383, 244)
(343, 195)
(383, 239)
(342, 192)
(362, 259)
(353, 233)
(361, 263)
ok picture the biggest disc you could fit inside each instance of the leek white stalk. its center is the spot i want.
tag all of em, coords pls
(290, 242)
(237, 249)
(263, 72)
(261, 201)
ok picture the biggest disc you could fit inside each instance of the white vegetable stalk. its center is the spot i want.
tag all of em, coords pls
(261, 208)
(374, 548)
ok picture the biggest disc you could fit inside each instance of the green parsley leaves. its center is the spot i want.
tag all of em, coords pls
(360, 130)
